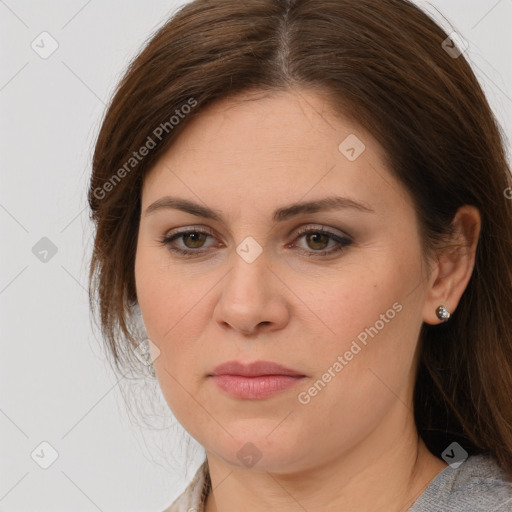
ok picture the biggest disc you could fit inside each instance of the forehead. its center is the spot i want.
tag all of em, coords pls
(282, 145)
(274, 122)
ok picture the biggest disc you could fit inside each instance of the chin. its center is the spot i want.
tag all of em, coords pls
(259, 447)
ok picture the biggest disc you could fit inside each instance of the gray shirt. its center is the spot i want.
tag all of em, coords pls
(476, 485)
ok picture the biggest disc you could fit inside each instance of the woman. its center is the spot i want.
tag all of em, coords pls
(306, 201)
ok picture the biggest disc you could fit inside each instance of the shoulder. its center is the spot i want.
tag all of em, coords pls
(477, 485)
(193, 497)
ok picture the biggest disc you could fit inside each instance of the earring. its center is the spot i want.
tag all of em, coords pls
(442, 313)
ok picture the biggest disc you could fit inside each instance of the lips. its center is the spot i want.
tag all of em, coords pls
(254, 381)
(255, 369)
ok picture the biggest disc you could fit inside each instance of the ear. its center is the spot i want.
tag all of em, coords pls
(454, 266)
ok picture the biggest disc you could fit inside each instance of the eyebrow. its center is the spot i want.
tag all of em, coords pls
(279, 215)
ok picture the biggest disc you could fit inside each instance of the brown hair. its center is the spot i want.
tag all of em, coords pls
(384, 65)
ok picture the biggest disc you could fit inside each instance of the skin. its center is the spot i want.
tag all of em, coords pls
(354, 445)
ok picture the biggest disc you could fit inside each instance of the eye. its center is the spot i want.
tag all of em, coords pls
(318, 239)
(192, 240)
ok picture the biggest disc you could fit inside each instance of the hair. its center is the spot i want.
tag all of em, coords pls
(383, 65)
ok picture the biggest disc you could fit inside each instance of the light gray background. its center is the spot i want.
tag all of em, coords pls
(55, 384)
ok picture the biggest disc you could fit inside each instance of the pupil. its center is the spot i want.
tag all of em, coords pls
(317, 239)
(196, 237)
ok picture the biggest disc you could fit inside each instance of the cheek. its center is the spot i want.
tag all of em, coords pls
(174, 311)
(364, 296)
(171, 311)
(365, 342)
(164, 298)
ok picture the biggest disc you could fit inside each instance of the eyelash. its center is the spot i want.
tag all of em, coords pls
(343, 242)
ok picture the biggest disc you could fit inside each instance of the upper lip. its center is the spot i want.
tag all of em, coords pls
(257, 368)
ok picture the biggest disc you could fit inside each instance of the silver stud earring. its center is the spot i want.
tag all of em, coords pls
(442, 313)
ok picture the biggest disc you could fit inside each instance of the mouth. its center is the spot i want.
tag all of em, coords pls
(254, 381)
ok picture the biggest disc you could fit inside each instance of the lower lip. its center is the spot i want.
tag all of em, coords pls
(255, 388)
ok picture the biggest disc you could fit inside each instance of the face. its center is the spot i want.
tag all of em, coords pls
(334, 292)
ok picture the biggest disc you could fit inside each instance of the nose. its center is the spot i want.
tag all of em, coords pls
(252, 298)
